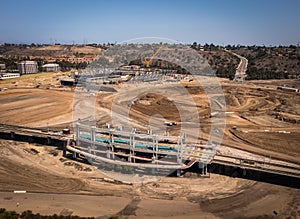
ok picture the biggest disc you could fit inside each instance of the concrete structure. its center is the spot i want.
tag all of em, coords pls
(131, 147)
(271, 171)
(2, 67)
(28, 67)
(51, 67)
(289, 89)
(68, 82)
(9, 75)
(148, 151)
(139, 151)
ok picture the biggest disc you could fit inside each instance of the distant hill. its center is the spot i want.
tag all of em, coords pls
(49, 50)
(281, 62)
(67, 56)
(272, 62)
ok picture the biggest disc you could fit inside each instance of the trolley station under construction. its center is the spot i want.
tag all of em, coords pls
(133, 151)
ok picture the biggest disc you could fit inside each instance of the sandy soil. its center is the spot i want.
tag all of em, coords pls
(267, 120)
(252, 108)
(55, 186)
(43, 80)
(35, 107)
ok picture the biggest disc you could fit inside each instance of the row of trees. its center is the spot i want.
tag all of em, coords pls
(195, 45)
(206, 47)
(161, 64)
(4, 214)
(254, 73)
(226, 72)
(67, 66)
(274, 62)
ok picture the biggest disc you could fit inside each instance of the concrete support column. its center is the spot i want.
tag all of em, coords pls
(205, 169)
(179, 148)
(132, 146)
(48, 140)
(183, 138)
(77, 133)
(244, 172)
(156, 148)
(202, 166)
(93, 137)
(93, 134)
(64, 149)
(111, 146)
(112, 154)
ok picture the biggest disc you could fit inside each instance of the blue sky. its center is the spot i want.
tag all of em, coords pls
(268, 22)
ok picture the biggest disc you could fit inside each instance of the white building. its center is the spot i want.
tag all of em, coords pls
(28, 67)
(2, 68)
(9, 75)
(51, 67)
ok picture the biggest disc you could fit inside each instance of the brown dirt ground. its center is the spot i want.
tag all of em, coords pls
(54, 187)
(253, 108)
(35, 107)
(257, 112)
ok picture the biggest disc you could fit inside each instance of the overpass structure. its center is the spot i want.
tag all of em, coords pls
(165, 152)
(138, 149)
(144, 150)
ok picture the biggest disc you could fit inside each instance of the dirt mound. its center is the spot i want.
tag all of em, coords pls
(155, 104)
(232, 100)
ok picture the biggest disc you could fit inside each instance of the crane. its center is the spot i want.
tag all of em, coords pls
(148, 61)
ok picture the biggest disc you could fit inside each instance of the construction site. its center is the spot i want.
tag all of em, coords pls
(258, 155)
(66, 161)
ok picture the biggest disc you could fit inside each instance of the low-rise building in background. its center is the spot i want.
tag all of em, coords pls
(9, 75)
(51, 67)
(28, 67)
(2, 68)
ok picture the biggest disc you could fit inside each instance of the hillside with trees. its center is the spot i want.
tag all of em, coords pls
(273, 62)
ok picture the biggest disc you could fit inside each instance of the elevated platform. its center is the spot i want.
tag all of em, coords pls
(149, 154)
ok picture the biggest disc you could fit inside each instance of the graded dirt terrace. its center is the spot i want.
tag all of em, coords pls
(35, 107)
(259, 119)
(265, 120)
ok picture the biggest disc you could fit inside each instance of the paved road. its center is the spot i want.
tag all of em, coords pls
(240, 73)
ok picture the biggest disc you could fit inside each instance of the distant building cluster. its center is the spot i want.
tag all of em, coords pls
(31, 67)
(27, 67)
